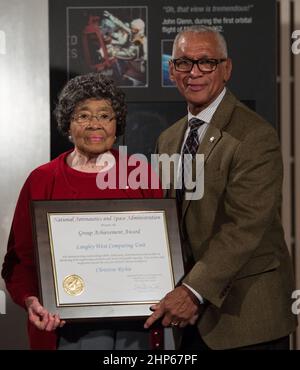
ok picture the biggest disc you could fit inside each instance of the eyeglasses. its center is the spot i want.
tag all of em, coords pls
(204, 65)
(86, 118)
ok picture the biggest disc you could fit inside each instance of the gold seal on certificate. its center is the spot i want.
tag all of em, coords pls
(73, 285)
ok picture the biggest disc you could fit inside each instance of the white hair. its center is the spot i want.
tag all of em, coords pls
(203, 29)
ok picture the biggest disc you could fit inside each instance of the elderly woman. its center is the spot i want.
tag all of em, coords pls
(91, 111)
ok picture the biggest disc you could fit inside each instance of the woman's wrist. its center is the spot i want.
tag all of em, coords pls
(29, 300)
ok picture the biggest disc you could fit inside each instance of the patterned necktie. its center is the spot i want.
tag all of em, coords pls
(190, 147)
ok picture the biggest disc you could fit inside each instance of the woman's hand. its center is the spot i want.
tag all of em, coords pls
(40, 317)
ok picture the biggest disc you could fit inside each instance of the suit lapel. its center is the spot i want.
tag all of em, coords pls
(175, 147)
(213, 134)
(211, 138)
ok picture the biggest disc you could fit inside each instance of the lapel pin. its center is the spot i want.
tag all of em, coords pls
(212, 139)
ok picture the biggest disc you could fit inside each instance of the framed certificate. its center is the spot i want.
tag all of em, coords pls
(106, 259)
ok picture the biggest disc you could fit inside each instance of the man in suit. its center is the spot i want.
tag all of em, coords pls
(237, 292)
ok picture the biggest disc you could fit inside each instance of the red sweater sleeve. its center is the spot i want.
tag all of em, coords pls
(19, 270)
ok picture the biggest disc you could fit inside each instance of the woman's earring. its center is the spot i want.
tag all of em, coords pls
(70, 138)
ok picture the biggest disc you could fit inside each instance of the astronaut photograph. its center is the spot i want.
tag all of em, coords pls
(166, 55)
(110, 40)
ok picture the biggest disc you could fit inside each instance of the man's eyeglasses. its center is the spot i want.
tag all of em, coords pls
(86, 118)
(204, 65)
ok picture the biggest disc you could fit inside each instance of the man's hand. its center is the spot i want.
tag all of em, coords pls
(180, 307)
(40, 317)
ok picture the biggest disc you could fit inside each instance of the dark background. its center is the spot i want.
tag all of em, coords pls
(151, 109)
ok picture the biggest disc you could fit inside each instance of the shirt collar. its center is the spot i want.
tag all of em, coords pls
(207, 113)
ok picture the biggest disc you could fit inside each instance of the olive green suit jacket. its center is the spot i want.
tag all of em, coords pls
(242, 266)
